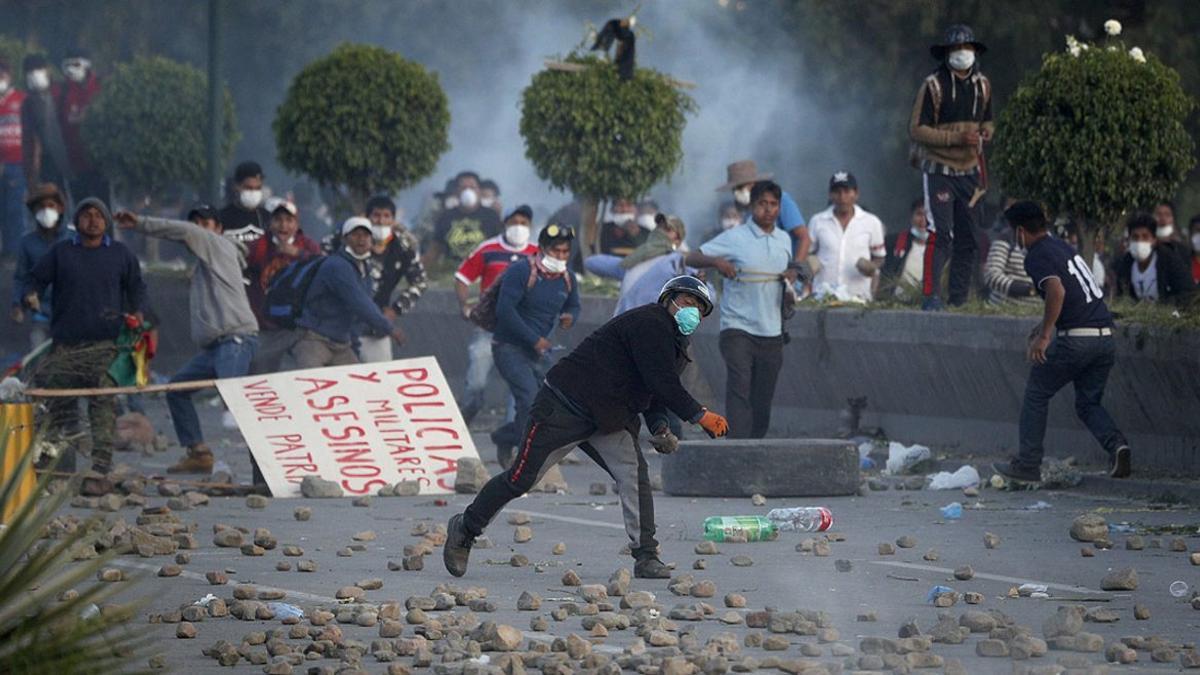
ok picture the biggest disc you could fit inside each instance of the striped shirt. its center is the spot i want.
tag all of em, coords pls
(1005, 269)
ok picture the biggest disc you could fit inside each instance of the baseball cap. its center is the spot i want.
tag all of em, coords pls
(353, 223)
(275, 203)
(205, 211)
(843, 179)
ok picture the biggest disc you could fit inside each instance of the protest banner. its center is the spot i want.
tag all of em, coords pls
(362, 426)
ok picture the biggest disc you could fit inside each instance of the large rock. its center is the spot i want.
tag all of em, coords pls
(470, 477)
(774, 467)
(315, 487)
(134, 433)
(1120, 580)
(1089, 527)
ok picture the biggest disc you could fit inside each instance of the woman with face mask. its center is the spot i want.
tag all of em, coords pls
(1153, 270)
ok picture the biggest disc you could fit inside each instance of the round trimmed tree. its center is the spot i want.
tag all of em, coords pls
(146, 130)
(1097, 132)
(364, 120)
(600, 137)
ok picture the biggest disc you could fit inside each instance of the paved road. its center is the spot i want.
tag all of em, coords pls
(1035, 548)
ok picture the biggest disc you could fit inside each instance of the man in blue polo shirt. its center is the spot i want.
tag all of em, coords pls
(1072, 344)
(754, 257)
(740, 178)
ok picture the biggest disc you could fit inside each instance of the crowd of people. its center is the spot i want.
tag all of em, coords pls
(266, 296)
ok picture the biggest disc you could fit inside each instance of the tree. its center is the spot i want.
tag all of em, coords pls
(600, 137)
(365, 120)
(146, 128)
(1098, 131)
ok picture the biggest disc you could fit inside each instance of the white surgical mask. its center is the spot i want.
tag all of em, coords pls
(47, 217)
(918, 234)
(730, 223)
(251, 198)
(646, 222)
(517, 235)
(621, 218)
(280, 241)
(38, 80)
(75, 73)
(554, 265)
(5, 83)
(381, 233)
(1196, 242)
(742, 196)
(469, 197)
(1164, 231)
(1141, 250)
(961, 59)
(358, 256)
(451, 203)
(487, 202)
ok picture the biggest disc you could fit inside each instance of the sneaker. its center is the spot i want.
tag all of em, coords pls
(1122, 463)
(457, 549)
(651, 568)
(932, 303)
(1010, 472)
(199, 459)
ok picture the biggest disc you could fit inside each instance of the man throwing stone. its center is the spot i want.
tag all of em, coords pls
(1072, 344)
(592, 398)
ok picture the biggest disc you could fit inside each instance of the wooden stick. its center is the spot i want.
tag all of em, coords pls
(42, 392)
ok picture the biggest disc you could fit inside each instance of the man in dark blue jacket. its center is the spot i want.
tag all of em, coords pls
(535, 294)
(96, 281)
(48, 207)
(339, 304)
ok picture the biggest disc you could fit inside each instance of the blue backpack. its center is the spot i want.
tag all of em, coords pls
(287, 290)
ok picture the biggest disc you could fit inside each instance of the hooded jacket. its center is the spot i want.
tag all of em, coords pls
(93, 287)
(217, 298)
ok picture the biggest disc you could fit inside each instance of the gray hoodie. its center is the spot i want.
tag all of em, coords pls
(219, 306)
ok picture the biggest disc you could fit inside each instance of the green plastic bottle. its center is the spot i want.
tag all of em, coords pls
(739, 528)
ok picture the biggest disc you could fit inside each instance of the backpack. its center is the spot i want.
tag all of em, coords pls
(483, 314)
(286, 292)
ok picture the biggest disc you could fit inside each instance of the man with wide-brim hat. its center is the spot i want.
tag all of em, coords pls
(740, 177)
(47, 205)
(951, 119)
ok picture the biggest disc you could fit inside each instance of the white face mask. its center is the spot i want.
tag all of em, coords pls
(1141, 250)
(280, 241)
(1164, 231)
(47, 217)
(250, 198)
(554, 265)
(961, 59)
(742, 196)
(517, 235)
(358, 256)
(487, 202)
(381, 233)
(5, 83)
(468, 197)
(730, 223)
(646, 222)
(451, 203)
(38, 80)
(622, 218)
(1196, 242)
(918, 234)
(75, 73)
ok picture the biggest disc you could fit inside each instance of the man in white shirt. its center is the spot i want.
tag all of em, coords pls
(849, 243)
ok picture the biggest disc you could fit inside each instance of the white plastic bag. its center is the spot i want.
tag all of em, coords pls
(901, 458)
(966, 476)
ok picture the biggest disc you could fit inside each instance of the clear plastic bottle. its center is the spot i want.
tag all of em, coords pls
(739, 528)
(801, 519)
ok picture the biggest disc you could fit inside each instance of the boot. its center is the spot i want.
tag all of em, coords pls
(457, 549)
(651, 568)
(199, 459)
(1122, 463)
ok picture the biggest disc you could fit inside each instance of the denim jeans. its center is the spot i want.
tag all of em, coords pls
(228, 357)
(12, 207)
(523, 370)
(1084, 361)
(479, 366)
(605, 265)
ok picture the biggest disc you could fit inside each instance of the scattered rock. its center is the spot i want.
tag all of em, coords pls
(735, 601)
(931, 555)
(170, 571)
(843, 565)
(110, 574)
(1067, 621)
(570, 578)
(758, 500)
(992, 648)
(216, 578)
(741, 561)
(558, 549)
(887, 549)
(990, 540)
(228, 538)
(257, 501)
(315, 487)
(353, 593)
(407, 488)
(1179, 545)
(522, 534)
(1194, 558)
(552, 482)
(1141, 612)
(1120, 580)
(302, 513)
(185, 630)
(973, 598)
(905, 542)
(703, 589)
(707, 548)
(518, 560)
(529, 602)
(1134, 543)
(700, 564)
(1087, 552)
(598, 489)
(1089, 527)
(306, 566)
(362, 502)
(964, 573)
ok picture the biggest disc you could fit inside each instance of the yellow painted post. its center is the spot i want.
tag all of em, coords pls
(16, 439)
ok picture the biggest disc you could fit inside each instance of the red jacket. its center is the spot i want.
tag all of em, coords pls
(10, 127)
(73, 101)
(263, 262)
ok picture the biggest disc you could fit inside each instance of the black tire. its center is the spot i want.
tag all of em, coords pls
(772, 467)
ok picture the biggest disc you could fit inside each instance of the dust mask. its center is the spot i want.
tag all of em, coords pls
(1141, 250)
(961, 59)
(554, 265)
(358, 256)
(451, 203)
(38, 80)
(621, 218)
(75, 73)
(381, 233)
(1164, 231)
(517, 235)
(742, 196)
(646, 222)
(686, 318)
(47, 217)
(487, 202)
(469, 198)
(919, 234)
(280, 241)
(250, 198)
(5, 83)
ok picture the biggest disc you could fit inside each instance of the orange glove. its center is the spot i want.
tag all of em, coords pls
(714, 425)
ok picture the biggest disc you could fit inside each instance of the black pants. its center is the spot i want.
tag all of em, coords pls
(752, 366)
(952, 225)
(553, 430)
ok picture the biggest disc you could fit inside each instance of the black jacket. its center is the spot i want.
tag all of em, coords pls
(629, 366)
(1174, 278)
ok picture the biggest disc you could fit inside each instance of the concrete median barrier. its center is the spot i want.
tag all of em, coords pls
(773, 467)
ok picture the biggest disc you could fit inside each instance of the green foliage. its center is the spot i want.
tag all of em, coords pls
(13, 51)
(1097, 134)
(39, 632)
(365, 119)
(147, 128)
(592, 134)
